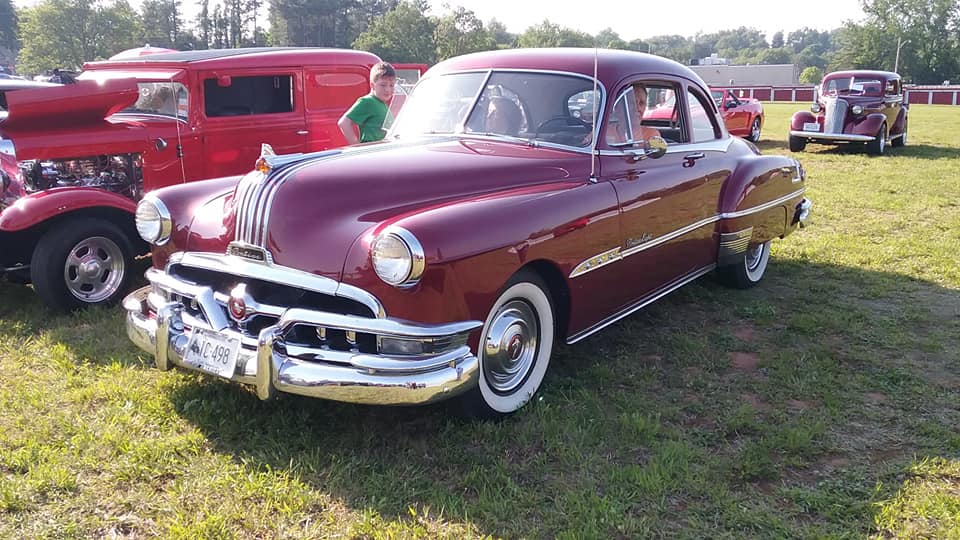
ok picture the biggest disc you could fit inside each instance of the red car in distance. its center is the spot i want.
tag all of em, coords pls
(742, 116)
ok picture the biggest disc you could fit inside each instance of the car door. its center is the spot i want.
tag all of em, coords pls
(173, 153)
(736, 115)
(329, 92)
(244, 109)
(668, 205)
(892, 102)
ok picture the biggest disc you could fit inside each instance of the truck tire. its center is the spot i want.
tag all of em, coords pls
(81, 262)
(797, 144)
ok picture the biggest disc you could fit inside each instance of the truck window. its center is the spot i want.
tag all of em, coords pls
(264, 94)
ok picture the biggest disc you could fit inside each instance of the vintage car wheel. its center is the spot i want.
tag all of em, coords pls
(81, 263)
(755, 128)
(879, 142)
(750, 270)
(902, 139)
(797, 144)
(515, 349)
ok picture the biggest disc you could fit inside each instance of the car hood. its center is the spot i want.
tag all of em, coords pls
(318, 209)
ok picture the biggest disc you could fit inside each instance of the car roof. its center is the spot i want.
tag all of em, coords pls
(612, 66)
(240, 58)
(862, 73)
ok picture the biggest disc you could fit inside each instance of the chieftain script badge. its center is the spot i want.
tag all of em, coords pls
(246, 251)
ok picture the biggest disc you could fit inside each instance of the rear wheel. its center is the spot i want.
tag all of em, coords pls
(755, 130)
(81, 262)
(902, 139)
(750, 270)
(879, 142)
(797, 144)
(514, 349)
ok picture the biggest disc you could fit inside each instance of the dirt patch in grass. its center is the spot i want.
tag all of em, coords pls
(744, 361)
(745, 333)
(756, 402)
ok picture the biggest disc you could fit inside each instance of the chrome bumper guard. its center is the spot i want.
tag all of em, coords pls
(831, 136)
(801, 215)
(162, 328)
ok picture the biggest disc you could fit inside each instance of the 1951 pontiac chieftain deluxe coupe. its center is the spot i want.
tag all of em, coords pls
(864, 107)
(446, 260)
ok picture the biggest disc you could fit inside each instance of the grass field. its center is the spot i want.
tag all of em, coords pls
(823, 403)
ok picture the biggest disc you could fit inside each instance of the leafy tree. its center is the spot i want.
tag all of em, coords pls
(8, 26)
(498, 31)
(461, 32)
(811, 75)
(204, 25)
(783, 55)
(404, 34)
(161, 22)
(608, 39)
(547, 34)
(777, 40)
(731, 42)
(66, 33)
(674, 47)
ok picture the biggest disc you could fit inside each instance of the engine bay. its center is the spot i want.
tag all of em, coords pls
(121, 174)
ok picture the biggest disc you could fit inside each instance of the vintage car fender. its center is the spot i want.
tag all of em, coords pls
(41, 206)
(801, 117)
(867, 125)
(900, 123)
(747, 193)
(550, 228)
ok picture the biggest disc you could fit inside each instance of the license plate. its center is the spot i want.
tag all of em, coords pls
(811, 126)
(212, 352)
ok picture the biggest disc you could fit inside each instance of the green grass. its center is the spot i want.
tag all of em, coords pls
(822, 403)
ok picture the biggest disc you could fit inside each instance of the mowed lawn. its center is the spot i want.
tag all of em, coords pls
(823, 403)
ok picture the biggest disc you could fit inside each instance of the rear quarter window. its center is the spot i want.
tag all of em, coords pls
(329, 89)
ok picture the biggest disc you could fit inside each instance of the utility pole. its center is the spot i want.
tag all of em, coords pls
(896, 63)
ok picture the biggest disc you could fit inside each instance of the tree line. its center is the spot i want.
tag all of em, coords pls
(66, 33)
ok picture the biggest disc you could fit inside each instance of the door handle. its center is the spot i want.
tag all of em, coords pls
(690, 159)
(302, 132)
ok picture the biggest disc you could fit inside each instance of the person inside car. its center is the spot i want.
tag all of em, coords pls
(503, 117)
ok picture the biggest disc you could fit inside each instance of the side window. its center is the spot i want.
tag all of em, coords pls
(644, 110)
(239, 96)
(703, 125)
(893, 87)
(581, 105)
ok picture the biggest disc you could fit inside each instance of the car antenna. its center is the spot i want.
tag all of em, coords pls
(176, 122)
(593, 122)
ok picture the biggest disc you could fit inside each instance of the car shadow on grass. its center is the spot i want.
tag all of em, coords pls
(921, 151)
(782, 402)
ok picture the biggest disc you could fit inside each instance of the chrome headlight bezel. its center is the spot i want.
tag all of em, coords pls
(153, 221)
(406, 265)
(815, 108)
(857, 110)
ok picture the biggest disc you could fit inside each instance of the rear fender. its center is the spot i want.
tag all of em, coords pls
(41, 206)
(901, 122)
(757, 201)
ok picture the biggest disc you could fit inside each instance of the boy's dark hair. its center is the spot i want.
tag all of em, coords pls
(381, 70)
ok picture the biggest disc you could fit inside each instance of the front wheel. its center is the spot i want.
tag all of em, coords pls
(755, 130)
(750, 270)
(879, 142)
(81, 262)
(514, 349)
(797, 144)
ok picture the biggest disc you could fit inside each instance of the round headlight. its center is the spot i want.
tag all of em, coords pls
(397, 257)
(153, 220)
(815, 107)
(856, 109)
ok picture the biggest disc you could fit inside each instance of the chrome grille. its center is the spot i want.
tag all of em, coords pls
(836, 113)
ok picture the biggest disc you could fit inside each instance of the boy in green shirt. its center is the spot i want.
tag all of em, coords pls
(364, 121)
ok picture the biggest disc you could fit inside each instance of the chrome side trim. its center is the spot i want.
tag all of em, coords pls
(597, 261)
(281, 275)
(830, 136)
(762, 207)
(640, 304)
(716, 145)
(733, 245)
(670, 236)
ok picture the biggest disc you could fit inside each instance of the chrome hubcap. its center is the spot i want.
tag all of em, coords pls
(754, 256)
(510, 348)
(755, 132)
(94, 269)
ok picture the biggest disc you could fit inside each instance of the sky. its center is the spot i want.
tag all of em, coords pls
(632, 20)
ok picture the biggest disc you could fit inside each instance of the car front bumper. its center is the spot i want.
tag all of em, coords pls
(163, 329)
(835, 137)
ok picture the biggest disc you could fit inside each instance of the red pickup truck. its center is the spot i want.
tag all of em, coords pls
(77, 158)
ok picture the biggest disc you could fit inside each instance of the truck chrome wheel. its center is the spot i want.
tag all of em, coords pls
(94, 269)
(510, 347)
(755, 130)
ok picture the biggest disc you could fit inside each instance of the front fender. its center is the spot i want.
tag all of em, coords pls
(38, 207)
(868, 125)
(799, 118)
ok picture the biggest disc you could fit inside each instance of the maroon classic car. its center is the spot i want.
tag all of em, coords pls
(77, 158)
(448, 259)
(854, 107)
(742, 116)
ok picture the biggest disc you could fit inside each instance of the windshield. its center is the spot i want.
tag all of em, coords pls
(165, 98)
(534, 106)
(857, 86)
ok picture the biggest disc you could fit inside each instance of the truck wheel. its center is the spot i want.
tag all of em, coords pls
(902, 139)
(514, 349)
(755, 130)
(81, 262)
(797, 144)
(748, 272)
(879, 142)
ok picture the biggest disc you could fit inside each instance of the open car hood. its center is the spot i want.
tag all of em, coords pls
(75, 105)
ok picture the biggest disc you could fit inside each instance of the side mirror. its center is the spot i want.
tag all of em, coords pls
(224, 81)
(656, 147)
(730, 105)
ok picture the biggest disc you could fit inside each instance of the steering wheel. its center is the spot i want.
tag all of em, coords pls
(567, 121)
